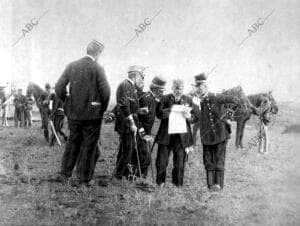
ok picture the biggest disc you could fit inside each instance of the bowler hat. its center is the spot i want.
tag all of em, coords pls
(159, 82)
(200, 78)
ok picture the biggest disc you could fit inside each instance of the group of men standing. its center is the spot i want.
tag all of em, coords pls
(135, 112)
(23, 109)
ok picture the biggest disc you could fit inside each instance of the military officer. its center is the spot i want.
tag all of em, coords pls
(85, 104)
(57, 116)
(148, 102)
(19, 102)
(172, 142)
(213, 130)
(127, 122)
(44, 101)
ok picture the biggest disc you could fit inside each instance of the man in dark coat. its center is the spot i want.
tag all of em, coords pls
(127, 122)
(19, 102)
(214, 130)
(43, 101)
(87, 100)
(148, 102)
(177, 142)
(57, 116)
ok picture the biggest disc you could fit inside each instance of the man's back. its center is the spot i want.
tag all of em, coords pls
(88, 88)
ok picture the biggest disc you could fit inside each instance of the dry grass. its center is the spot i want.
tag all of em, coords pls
(259, 189)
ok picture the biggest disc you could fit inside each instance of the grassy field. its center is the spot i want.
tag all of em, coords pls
(259, 189)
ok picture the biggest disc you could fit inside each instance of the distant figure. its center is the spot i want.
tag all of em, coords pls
(19, 103)
(4, 104)
(88, 98)
(28, 111)
(57, 116)
(43, 102)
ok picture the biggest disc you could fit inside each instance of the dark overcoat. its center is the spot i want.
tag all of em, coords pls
(89, 91)
(127, 104)
(147, 99)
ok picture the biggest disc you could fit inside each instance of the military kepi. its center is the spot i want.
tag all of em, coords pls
(200, 78)
(138, 68)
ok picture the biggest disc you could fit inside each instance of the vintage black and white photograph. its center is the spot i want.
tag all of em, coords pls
(139, 112)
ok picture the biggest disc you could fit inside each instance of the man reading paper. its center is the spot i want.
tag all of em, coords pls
(176, 142)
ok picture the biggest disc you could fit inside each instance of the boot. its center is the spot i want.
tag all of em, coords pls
(210, 176)
(220, 178)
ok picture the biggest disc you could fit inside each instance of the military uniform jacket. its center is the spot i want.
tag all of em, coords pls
(127, 104)
(89, 91)
(212, 129)
(163, 111)
(147, 99)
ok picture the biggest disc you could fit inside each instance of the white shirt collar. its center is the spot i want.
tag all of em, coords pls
(130, 81)
(91, 57)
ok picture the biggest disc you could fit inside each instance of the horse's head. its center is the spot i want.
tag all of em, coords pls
(35, 90)
(242, 107)
(273, 103)
(29, 90)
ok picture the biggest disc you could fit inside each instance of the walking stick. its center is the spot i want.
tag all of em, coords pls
(137, 154)
(150, 152)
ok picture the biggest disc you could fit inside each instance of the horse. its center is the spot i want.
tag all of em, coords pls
(265, 105)
(36, 91)
(239, 109)
(261, 104)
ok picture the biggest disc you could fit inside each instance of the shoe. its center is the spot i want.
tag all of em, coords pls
(220, 179)
(59, 177)
(210, 177)
(215, 188)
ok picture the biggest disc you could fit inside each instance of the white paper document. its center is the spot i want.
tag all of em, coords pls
(177, 120)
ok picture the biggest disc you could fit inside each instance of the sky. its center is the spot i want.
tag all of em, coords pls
(184, 38)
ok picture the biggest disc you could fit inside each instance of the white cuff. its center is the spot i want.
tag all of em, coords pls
(130, 117)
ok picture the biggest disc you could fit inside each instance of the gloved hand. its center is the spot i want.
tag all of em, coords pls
(189, 149)
(142, 132)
